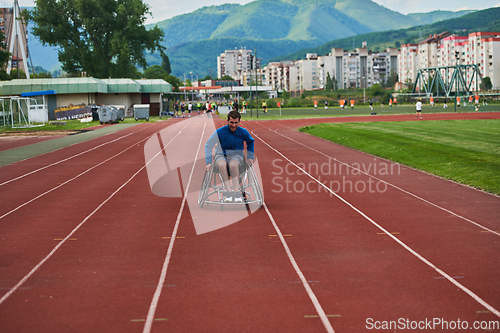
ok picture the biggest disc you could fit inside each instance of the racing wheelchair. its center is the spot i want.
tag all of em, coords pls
(213, 188)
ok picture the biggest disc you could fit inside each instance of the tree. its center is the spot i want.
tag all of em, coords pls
(155, 72)
(4, 54)
(174, 81)
(165, 63)
(104, 38)
(329, 83)
(487, 83)
(226, 78)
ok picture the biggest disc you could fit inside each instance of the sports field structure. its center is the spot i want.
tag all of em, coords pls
(345, 241)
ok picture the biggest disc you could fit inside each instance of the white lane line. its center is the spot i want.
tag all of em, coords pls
(70, 180)
(156, 297)
(27, 276)
(427, 262)
(392, 185)
(69, 158)
(310, 293)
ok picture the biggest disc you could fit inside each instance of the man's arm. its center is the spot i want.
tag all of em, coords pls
(250, 148)
(211, 142)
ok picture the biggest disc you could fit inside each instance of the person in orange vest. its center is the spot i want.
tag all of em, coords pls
(476, 99)
(432, 102)
(352, 103)
(315, 105)
(390, 103)
(458, 101)
(341, 102)
(395, 101)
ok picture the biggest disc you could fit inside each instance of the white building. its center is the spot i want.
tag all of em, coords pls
(277, 75)
(483, 49)
(235, 62)
(407, 59)
(358, 69)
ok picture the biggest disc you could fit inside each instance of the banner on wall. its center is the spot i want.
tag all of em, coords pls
(73, 112)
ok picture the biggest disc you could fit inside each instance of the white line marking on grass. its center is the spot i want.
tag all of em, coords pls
(27, 276)
(310, 292)
(163, 275)
(392, 185)
(69, 158)
(427, 262)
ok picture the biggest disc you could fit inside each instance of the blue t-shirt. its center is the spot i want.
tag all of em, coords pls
(229, 143)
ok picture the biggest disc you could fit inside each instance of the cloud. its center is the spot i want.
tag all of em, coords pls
(165, 9)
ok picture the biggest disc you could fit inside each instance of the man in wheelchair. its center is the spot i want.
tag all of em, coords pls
(229, 157)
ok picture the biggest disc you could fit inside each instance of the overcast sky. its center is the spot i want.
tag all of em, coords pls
(164, 9)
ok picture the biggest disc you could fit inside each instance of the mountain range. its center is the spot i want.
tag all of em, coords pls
(484, 20)
(273, 27)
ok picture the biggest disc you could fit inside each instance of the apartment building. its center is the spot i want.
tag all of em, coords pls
(277, 75)
(235, 62)
(359, 69)
(483, 49)
(407, 58)
(478, 48)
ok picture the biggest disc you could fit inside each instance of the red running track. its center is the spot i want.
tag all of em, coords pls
(84, 241)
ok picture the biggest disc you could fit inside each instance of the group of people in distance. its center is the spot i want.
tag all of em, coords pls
(181, 107)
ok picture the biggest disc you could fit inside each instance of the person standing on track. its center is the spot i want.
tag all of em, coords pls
(419, 109)
(209, 109)
(229, 146)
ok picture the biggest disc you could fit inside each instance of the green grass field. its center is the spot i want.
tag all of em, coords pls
(336, 111)
(466, 151)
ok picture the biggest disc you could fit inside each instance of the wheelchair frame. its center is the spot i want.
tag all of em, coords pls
(213, 193)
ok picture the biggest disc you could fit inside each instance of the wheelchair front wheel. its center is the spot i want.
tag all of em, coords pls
(205, 186)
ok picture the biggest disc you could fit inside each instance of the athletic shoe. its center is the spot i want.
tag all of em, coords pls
(238, 200)
(228, 199)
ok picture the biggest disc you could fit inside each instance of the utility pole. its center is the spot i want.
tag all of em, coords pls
(256, 85)
(251, 67)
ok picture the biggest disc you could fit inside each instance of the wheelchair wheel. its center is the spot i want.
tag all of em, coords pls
(255, 185)
(205, 186)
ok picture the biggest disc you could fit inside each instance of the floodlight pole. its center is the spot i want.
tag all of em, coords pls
(16, 31)
(191, 86)
(256, 85)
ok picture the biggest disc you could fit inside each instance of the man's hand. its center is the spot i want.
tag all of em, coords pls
(250, 161)
(209, 166)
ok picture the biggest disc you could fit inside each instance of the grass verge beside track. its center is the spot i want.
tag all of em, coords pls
(73, 125)
(465, 151)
